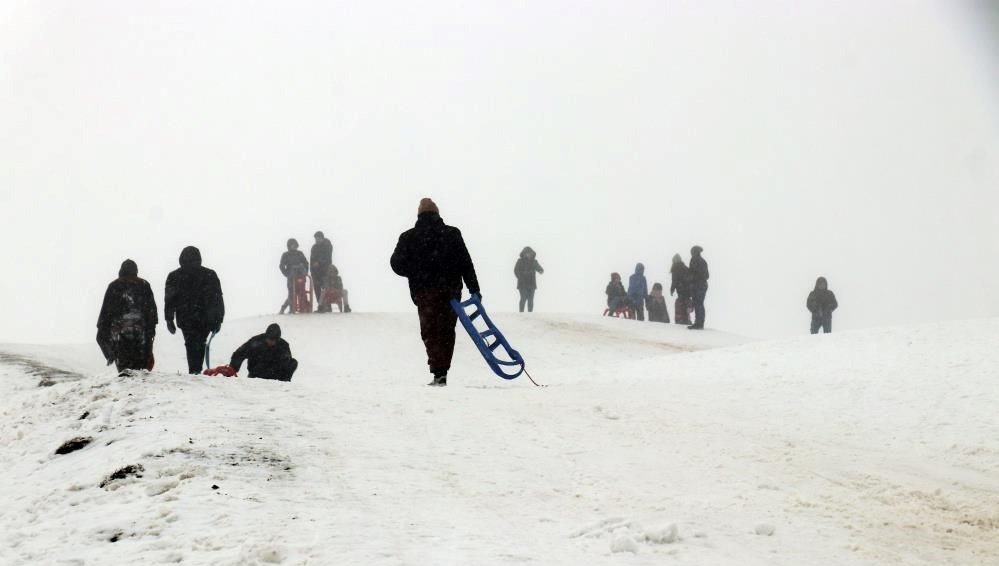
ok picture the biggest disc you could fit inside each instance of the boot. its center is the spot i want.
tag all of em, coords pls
(439, 381)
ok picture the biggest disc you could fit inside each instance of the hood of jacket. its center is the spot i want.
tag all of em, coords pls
(128, 269)
(640, 268)
(190, 257)
(821, 284)
(527, 253)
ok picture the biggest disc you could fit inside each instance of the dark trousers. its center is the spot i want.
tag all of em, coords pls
(680, 312)
(281, 371)
(822, 321)
(133, 354)
(437, 320)
(698, 299)
(318, 286)
(194, 343)
(638, 304)
(527, 298)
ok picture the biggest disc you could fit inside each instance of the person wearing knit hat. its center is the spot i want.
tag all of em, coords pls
(126, 325)
(433, 256)
(267, 355)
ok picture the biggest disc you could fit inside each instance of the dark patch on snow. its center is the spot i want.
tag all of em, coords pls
(214, 486)
(122, 473)
(115, 537)
(49, 375)
(74, 444)
(84, 415)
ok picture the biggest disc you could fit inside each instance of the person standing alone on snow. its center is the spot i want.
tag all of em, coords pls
(293, 264)
(821, 303)
(321, 258)
(433, 256)
(126, 326)
(526, 270)
(697, 277)
(638, 289)
(194, 295)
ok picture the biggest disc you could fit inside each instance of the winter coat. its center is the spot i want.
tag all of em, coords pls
(679, 283)
(526, 270)
(433, 255)
(262, 360)
(697, 274)
(128, 312)
(614, 290)
(292, 261)
(821, 301)
(638, 287)
(656, 305)
(321, 256)
(194, 294)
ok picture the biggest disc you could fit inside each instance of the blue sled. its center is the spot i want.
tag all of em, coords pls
(486, 348)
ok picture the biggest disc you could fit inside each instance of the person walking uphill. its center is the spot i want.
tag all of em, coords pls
(194, 295)
(526, 270)
(821, 303)
(638, 289)
(697, 279)
(126, 326)
(433, 256)
(268, 356)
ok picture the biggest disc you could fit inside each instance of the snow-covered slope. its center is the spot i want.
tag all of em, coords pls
(651, 445)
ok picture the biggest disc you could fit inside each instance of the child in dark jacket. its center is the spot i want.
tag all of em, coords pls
(617, 297)
(656, 304)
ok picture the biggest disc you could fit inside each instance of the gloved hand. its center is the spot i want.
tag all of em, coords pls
(171, 328)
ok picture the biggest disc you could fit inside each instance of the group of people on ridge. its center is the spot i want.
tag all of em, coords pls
(126, 325)
(431, 255)
(690, 284)
(325, 276)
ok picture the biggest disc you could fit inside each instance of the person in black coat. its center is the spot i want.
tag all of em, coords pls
(293, 264)
(267, 355)
(526, 270)
(321, 258)
(433, 256)
(194, 295)
(679, 286)
(126, 325)
(656, 304)
(617, 297)
(697, 278)
(821, 303)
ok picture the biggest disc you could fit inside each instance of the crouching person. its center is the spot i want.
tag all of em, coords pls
(267, 356)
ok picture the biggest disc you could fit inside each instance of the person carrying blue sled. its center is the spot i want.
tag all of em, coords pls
(433, 256)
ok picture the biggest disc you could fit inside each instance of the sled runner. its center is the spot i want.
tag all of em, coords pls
(488, 340)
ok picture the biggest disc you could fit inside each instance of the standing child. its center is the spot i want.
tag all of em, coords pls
(821, 302)
(656, 303)
(682, 307)
(617, 297)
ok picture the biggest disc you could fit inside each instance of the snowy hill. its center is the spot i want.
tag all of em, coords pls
(652, 445)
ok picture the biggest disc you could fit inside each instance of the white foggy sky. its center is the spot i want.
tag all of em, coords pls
(854, 140)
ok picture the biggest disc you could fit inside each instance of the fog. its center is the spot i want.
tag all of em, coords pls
(853, 140)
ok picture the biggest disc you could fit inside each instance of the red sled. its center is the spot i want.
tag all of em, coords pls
(301, 294)
(224, 371)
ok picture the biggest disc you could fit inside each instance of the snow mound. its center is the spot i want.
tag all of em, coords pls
(875, 447)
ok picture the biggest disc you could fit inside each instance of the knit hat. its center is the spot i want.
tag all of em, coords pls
(273, 331)
(427, 205)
